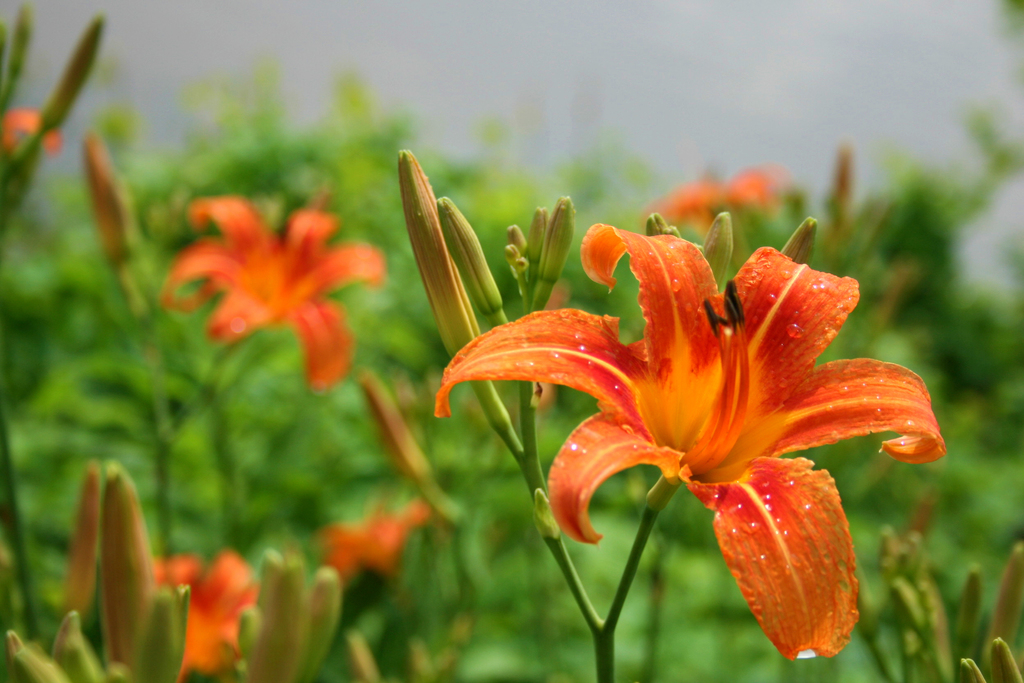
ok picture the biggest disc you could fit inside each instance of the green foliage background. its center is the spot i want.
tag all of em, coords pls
(80, 390)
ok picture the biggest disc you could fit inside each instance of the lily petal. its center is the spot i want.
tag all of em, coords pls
(849, 398)
(567, 346)
(600, 447)
(786, 540)
(236, 218)
(327, 342)
(237, 315)
(792, 314)
(347, 264)
(205, 260)
(674, 282)
(308, 230)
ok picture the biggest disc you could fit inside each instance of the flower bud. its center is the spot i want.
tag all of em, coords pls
(161, 643)
(31, 665)
(469, 257)
(908, 604)
(656, 225)
(1004, 668)
(108, 201)
(557, 241)
(277, 655)
(324, 613)
(969, 672)
(399, 443)
(75, 73)
(445, 291)
(12, 646)
(968, 616)
(801, 242)
(538, 231)
(1010, 599)
(249, 624)
(513, 256)
(126, 567)
(718, 247)
(20, 39)
(118, 673)
(517, 239)
(80, 581)
(360, 659)
(543, 517)
(73, 653)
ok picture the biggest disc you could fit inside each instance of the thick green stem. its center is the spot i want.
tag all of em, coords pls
(654, 608)
(14, 525)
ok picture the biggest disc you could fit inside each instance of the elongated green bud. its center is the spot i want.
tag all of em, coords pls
(20, 39)
(277, 655)
(1010, 598)
(801, 242)
(718, 247)
(517, 239)
(361, 661)
(515, 259)
(469, 258)
(538, 231)
(161, 644)
(968, 617)
(939, 623)
(543, 518)
(1004, 668)
(118, 673)
(969, 672)
(557, 241)
(12, 646)
(126, 567)
(109, 205)
(324, 614)
(657, 225)
(75, 73)
(80, 581)
(908, 606)
(249, 624)
(31, 665)
(73, 653)
(445, 291)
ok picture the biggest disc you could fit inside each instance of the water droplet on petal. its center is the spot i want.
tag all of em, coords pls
(795, 331)
(806, 654)
(237, 325)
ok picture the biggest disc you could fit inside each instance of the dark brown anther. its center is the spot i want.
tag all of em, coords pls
(733, 307)
(713, 317)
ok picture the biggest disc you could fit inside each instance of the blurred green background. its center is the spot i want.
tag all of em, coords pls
(268, 463)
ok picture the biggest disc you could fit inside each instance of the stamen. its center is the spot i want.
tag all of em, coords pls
(726, 423)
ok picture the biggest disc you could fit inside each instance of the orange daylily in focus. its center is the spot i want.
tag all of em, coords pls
(272, 280)
(219, 596)
(718, 388)
(20, 123)
(375, 544)
(698, 202)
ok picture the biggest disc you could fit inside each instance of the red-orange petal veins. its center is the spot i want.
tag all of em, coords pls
(567, 346)
(235, 217)
(600, 447)
(793, 313)
(674, 282)
(848, 398)
(326, 340)
(349, 263)
(786, 540)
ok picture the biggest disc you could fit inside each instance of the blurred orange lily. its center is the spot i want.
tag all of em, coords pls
(271, 280)
(375, 544)
(696, 203)
(20, 123)
(720, 385)
(219, 596)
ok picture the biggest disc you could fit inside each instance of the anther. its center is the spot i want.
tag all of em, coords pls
(733, 306)
(713, 317)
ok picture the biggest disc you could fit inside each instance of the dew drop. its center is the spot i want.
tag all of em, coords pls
(806, 654)
(237, 325)
(795, 331)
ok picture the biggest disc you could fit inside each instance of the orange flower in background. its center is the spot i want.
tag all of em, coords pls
(718, 388)
(697, 203)
(219, 596)
(376, 543)
(272, 280)
(20, 123)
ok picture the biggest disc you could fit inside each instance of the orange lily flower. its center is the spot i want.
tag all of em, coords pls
(19, 123)
(718, 388)
(219, 596)
(375, 544)
(272, 280)
(697, 203)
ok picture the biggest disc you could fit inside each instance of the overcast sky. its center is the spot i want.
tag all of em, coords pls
(686, 85)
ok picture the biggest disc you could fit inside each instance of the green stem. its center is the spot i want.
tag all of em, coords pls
(228, 470)
(14, 525)
(164, 438)
(654, 608)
